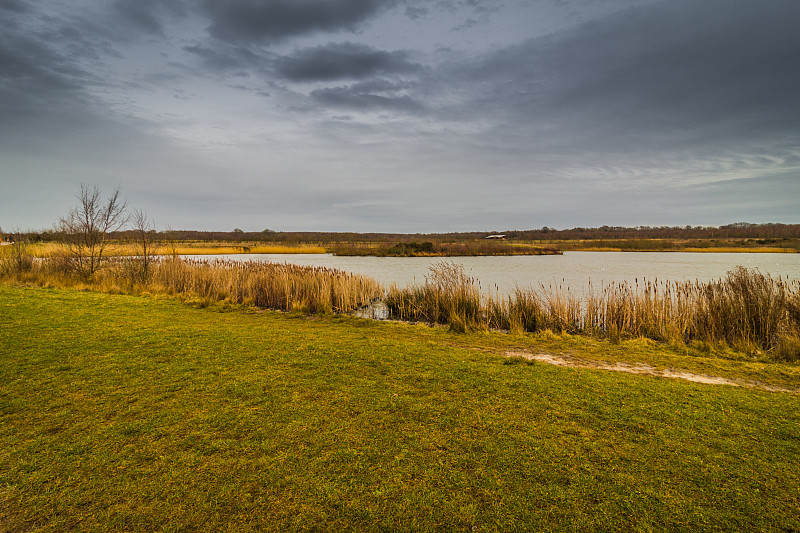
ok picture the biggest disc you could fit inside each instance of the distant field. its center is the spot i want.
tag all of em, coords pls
(50, 249)
(124, 413)
(677, 245)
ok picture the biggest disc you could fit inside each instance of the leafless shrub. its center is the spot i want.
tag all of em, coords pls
(86, 227)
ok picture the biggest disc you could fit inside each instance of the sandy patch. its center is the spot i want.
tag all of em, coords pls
(646, 370)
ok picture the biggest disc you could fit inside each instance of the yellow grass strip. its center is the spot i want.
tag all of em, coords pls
(741, 250)
(231, 250)
(718, 250)
(287, 250)
(44, 249)
(51, 249)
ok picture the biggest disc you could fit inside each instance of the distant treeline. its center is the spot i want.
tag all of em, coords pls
(740, 230)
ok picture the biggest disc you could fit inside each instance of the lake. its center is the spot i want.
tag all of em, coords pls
(501, 274)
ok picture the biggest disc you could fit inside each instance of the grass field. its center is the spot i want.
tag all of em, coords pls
(124, 413)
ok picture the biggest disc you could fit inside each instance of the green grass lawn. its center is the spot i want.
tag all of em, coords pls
(123, 413)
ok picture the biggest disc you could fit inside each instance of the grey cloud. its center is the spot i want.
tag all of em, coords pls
(681, 107)
(229, 58)
(676, 72)
(467, 24)
(341, 61)
(360, 98)
(380, 85)
(254, 21)
(416, 12)
(35, 79)
(110, 25)
(140, 14)
(49, 85)
(13, 5)
(147, 15)
(740, 56)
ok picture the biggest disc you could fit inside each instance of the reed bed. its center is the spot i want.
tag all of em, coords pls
(267, 285)
(746, 309)
(448, 296)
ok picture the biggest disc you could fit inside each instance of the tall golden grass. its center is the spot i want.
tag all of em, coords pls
(746, 309)
(266, 285)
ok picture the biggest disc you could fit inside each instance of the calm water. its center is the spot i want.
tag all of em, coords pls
(573, 269)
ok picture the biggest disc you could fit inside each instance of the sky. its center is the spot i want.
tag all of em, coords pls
(402, 115)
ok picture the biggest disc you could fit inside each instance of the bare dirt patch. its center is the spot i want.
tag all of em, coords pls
(646, 370)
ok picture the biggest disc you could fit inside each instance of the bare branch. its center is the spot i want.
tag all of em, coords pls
(87, 225)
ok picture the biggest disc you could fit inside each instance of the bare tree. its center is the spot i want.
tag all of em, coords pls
(143, 229)
(87, 225)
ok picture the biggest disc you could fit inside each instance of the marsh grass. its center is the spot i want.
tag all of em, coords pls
(746, 309)
(16, 258)
(267, 285)
(448, 296)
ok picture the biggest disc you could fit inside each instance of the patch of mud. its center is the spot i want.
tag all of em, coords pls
(646, 370)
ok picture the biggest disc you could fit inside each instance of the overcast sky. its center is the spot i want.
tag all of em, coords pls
(403, 115)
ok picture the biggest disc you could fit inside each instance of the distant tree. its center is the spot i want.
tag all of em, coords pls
(86, 226)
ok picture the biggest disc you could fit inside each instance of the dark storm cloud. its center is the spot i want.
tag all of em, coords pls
(671, 73)
(35, 78)
(48, 66)
(256, 21)
(146, 15)
(139, 14)
(480, 15)
(13, 5)
(672, 104)
(222, 59)
(341, 61)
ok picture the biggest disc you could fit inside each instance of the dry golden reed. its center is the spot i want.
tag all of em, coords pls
(745, 309)
(266, 285)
